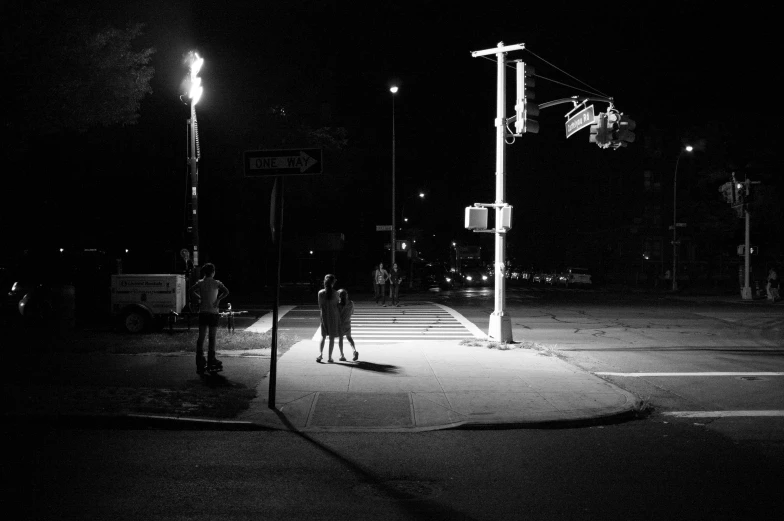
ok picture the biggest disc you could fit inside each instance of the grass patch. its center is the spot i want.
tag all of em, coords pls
(179, 340)
(542, 349)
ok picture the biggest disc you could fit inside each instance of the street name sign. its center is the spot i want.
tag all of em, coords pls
(579, 121)
(383, 227)
(298, 161)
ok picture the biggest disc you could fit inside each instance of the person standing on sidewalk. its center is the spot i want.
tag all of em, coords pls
(330, 316)
(208, 293)
(395, 278)
(381, 277)
(346, 308)
(773, 285)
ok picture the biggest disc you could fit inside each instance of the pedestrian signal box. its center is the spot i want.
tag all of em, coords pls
(475, 218)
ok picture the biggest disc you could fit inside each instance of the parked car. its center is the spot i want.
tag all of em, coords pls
(574, 277)
(41, 280)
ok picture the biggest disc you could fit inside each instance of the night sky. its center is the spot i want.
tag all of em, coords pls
(674, 70)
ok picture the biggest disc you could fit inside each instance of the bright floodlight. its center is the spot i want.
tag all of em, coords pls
(196, 88)
(689, 148)
(393, 90)
(422, 195)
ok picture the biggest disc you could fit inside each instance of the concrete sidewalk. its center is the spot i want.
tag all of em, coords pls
(417, 386)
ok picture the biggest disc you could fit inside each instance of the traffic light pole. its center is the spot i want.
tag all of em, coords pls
(746, 291)
(500, 328)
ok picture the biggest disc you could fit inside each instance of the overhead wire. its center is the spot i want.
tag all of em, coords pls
(594, 91)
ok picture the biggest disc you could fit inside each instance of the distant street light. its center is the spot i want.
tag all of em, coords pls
(405, 201)
(688, 148)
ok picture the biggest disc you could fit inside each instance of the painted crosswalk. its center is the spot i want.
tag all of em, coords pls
(410, 323)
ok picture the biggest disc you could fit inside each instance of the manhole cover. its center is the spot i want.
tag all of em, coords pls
(398, 490)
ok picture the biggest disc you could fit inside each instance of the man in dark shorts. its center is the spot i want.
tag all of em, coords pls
(208, 293)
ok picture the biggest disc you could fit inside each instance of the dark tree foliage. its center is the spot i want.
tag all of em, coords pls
(68, 73)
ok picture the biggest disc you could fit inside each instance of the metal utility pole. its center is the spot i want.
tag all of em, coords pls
(746, 292)
(675, 223)
(500, 328)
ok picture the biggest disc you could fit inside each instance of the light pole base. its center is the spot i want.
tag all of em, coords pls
(745, 293)
(500, 329)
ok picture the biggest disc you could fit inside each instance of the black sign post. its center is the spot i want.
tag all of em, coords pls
(279, 164)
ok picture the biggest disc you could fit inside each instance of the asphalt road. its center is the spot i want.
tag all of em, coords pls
(646, 469)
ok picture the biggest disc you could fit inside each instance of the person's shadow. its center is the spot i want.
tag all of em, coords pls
(370, 366)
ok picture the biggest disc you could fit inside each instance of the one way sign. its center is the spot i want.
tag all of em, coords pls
(262, 163)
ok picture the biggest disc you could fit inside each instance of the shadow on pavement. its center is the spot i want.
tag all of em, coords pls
(370, 366)
(407, 496)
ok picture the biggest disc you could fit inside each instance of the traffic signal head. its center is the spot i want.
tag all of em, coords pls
(727, 192)
(599, 131)
(625, 127)
(525, 109)
(620, 129)
(740, 193)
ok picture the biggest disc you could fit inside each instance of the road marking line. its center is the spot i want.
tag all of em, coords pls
(722, 414)
(749, 373)
(264, 324)
(463, 320)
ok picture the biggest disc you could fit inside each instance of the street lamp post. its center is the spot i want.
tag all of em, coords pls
(392, 245)
(411, 263)
(688, 148)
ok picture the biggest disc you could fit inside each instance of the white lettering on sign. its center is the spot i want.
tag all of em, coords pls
(299, 162)
(581, 120)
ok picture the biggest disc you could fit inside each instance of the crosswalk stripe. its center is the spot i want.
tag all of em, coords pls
(724, 414)
(707, 373)
(426, 320)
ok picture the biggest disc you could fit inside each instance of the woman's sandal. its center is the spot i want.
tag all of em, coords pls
(356, 355)
(330, 360)
(342, 358)
(318, 359)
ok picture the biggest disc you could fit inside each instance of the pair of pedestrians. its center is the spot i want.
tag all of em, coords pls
(381, 277)
(336, 310)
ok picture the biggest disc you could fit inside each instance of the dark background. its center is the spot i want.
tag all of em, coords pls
(691, 73)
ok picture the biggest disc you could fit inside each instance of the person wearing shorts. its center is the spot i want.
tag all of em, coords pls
(208, 293)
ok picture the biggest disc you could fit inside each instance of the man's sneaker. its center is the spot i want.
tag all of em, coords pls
(200, 365)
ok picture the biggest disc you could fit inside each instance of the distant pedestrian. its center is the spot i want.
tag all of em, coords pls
(186, 267)
(375, 284)
(381, 276)
(208, 293)
(773, 286)
(330, 316)
(346, 308)
(395, 278)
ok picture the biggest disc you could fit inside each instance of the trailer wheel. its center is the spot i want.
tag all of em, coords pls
(135, 321)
